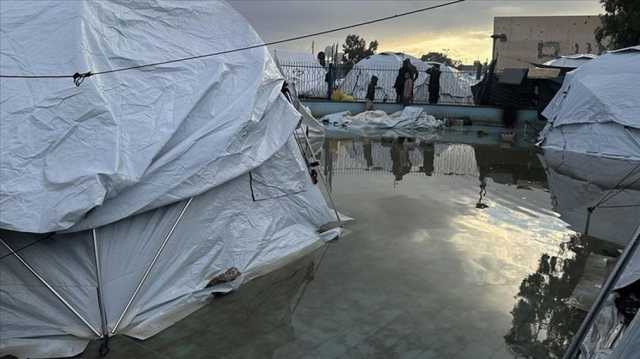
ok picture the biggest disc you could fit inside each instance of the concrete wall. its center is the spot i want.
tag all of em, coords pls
(536, 39)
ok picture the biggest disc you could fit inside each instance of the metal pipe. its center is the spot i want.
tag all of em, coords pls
(51, 289)
(624, 259)
(150, 267)
(103, 312)
(324, 181)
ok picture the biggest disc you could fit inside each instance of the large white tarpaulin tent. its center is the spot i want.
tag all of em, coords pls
(122, 199)
(592, 149)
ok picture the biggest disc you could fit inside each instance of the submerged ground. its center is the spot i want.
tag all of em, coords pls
(456, 252)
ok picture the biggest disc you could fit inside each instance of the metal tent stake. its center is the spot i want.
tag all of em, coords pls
(51, 289)
(150, 266)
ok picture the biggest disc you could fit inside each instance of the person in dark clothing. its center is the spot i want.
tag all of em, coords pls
(434, 83)
(371, 93)
(403, 85)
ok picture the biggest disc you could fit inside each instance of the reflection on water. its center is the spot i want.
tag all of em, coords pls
(403, 156)
(544, 313)
(456, 252)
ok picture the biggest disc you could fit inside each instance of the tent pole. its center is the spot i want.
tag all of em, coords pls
(324, 180)
(150, 267)
(103, 313)
(51, 289)
(621, 264)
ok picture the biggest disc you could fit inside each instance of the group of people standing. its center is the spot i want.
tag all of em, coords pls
(405, 82)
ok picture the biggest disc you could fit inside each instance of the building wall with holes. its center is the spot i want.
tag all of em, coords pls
(537, 39)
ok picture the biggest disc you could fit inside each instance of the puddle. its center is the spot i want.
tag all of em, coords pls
(456, 252)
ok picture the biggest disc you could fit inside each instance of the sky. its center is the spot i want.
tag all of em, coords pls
(461, 30)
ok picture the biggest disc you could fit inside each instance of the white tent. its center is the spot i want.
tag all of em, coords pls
(303, 70)
(385, 66)
(122, 199)
(592, 148)
(597, 112)
(571, 61)
(455, 85)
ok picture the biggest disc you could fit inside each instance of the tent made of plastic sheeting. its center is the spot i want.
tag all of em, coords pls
(571, 61)
(151, 188)
(385, 66)
(455, 85)
(597, 111)
(303, 70)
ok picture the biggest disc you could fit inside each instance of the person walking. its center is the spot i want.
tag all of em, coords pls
(434, 83)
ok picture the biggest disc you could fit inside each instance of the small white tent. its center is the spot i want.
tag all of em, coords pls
(304, 71)
(122, 199)
(571, 61)
(385, 66)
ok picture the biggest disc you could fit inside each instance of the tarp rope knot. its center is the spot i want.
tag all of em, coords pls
(78, 78)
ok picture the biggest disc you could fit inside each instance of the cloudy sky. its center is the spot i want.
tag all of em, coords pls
(462, 30)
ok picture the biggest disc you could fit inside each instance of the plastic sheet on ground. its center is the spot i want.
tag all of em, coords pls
(410, 118)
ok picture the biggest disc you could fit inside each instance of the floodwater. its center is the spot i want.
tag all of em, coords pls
(455, 252)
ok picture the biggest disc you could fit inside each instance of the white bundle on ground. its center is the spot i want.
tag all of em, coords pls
(411, 117)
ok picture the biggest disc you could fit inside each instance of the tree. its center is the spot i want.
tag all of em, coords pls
(355, 48)
(441, 58)
(620, 24)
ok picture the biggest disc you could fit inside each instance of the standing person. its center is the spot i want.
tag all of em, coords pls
(410, 76)
(371, 93)
(399, 84)
(434, 83)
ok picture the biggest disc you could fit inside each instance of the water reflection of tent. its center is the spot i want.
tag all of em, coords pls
(173, 178)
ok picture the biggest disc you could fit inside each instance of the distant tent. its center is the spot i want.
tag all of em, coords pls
(303, 70)
(455, 85)
(127, 201)
(385, 66)
(571, 61)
